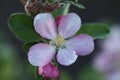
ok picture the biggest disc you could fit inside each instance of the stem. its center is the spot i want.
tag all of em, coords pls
(44, 40)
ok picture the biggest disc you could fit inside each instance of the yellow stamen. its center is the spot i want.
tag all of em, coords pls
(60, 41)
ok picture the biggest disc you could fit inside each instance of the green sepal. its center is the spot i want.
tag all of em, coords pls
(81, 6)
(61, 11)
(37, 76)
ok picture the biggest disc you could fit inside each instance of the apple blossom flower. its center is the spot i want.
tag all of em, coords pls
(48, 71)
(113, 76)
(112, 43)
(108, 60)
(111, 52)
(63, 44)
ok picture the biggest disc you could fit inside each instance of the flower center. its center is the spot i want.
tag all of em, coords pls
(60, 40)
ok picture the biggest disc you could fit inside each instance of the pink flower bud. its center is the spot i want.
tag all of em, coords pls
(58, 19)
(48, 71)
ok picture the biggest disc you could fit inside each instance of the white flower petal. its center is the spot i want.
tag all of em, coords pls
(83, 44)
(69, 25)
(41, 54)
(66, 57)
(45, 25)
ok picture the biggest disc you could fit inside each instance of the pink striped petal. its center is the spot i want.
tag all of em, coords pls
(40, 70)
(41, 54)
(45, 25)
(69, 25)
(66, 57)
(83, 44)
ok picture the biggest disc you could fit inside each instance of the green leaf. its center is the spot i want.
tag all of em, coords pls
(37, 76)
(76, 4)
(96, 30)
(27, 45)
(62, 11)
(22, 26)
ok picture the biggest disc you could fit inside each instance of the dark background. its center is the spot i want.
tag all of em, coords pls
(96, 10)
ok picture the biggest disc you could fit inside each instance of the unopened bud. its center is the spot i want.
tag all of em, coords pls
(58, 19)
(32, 7)
(48, 71)
(49, 8)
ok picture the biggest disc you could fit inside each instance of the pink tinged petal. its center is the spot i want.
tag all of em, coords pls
(45, 25)
(112, 43)
(41, 54)
(104, 59)
(66, 57)
(40, 70)
(83, 44)
(115, 75)
(69, 25)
